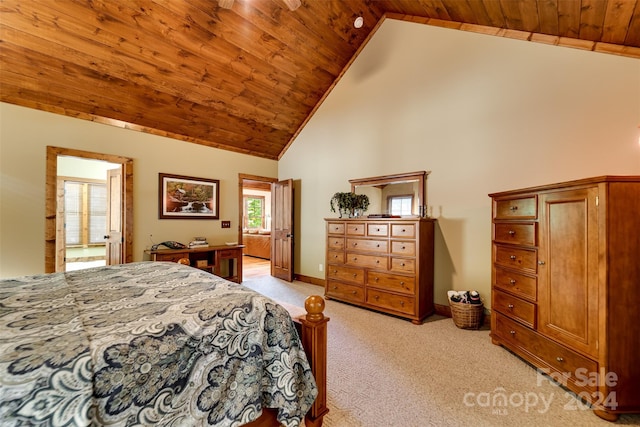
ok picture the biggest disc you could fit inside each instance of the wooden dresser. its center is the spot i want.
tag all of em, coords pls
(565, 281)
(382, 264)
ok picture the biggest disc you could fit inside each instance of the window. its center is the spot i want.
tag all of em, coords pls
(254, 215)
(400, 205)
(85, 206)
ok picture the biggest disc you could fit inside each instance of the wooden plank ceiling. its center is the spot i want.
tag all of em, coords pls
(245, 78)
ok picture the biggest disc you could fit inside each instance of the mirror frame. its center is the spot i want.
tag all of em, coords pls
(420, 176)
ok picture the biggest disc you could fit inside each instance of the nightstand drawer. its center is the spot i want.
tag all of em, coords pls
(173, 257)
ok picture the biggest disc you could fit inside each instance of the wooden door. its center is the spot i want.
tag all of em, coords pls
(114, 237)
(61, 242)
(282, 230)
(568, 268)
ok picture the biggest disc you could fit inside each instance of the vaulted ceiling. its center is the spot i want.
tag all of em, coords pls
(244, 75)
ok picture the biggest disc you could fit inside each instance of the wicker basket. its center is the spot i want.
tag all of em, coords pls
(466, 316)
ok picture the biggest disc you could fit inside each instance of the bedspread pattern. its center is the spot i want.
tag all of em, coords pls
(146, 343)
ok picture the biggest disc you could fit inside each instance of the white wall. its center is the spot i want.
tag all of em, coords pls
(24, 135)
(482, 113)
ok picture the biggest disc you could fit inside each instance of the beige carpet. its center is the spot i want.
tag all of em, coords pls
(385, 371)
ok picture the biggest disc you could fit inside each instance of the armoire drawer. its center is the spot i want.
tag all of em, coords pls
(555, 355)
(368, 261)
(391, 282)
(515, 283)
(400, 303)
(513, 257)
(365, 245)
(516, 208)
(345, 291)
(516, 233)
(172, 257)
(515, 308)
(346, 274)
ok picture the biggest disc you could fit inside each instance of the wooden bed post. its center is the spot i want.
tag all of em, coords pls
(314, 341)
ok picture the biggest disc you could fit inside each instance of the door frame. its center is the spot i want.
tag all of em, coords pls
(51, 200)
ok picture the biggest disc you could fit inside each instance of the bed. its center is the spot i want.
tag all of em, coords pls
(156, 343)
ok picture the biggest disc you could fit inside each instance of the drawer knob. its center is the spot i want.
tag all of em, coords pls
(512, 332)
(402, 303)
(335, 271)
(510, 306)
(355, 274)
(540, 262)
(353, 292)
(355, 258)
(355, 244)
(376, 297)
(514, 208)
(378, 229)
(377, 278)
(511, 232)
(402, 264)
(559, 359)
(403, 230)
(378, 245)
(512, 281)
(335, 256)
(404, 247)
(377, 261)
(513, 257)
(335, 288)
(402, 283)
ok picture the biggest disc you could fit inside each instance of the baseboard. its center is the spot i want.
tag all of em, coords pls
(310, 280)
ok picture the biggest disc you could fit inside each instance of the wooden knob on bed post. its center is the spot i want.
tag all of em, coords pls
(314, 304)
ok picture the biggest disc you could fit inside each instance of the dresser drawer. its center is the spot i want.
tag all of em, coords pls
(172, 257)
(368, 261)
(335, 242)
(403, 265)
(516, 283)
(523, 208)
(553, 354)
(403, 230)
(346, 274)
(345, 291)
(516, 233)
(335, 257)
(399, 303)
(403, 248)
(515, 308)
(378, 230)
(335, 227)
(392, 282)
(355, 229)
(518, 258)
(379, 246)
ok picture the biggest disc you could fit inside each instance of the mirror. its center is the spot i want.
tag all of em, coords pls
(394, 195)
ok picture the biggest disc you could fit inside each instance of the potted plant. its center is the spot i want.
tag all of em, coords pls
(349, 203)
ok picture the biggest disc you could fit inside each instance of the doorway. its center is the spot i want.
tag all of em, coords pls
(118, 215)
(255, 225)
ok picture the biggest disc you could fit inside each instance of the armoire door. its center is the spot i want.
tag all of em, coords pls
(568, 268)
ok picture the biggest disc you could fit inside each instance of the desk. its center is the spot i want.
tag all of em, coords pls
(224, 261)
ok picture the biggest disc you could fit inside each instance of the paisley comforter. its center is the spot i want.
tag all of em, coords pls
(148, 343)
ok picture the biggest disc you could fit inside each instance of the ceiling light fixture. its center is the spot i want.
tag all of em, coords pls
(291, 4)
(359, 22)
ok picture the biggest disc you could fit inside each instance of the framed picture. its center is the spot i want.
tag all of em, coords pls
(185, 197)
